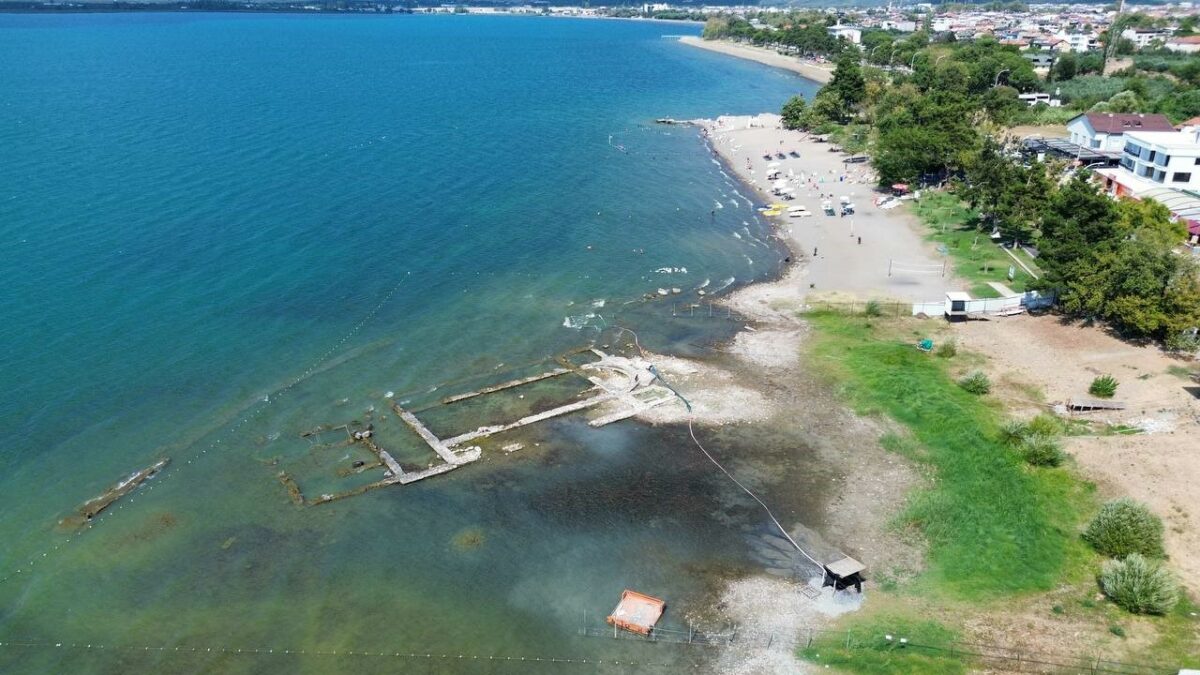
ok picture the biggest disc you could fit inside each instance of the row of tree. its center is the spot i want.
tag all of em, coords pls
(1112, 260)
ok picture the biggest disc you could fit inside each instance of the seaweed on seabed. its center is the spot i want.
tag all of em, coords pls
(94, 506)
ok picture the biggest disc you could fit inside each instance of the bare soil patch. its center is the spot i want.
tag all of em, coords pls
(1161, 468)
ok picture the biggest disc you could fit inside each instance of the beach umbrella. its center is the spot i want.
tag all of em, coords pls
(772, 165)
(780, 183)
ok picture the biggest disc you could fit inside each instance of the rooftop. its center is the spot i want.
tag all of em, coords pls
(1118, 123)
(1171, 140)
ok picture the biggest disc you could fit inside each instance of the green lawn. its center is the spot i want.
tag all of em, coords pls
(864, 648)
(994, 525)
(996, 528)
(976, 258)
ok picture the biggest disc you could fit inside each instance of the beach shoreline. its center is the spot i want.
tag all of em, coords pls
(839, 258)
(817, 73)
(760, 375)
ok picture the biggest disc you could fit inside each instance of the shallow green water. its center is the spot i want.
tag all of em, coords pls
(224, 230)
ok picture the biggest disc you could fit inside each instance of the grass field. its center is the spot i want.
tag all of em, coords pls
(976, 258)
(1001, 535)
(866, 649)
(994, 525)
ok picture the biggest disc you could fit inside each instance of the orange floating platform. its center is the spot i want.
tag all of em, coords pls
(637, 613)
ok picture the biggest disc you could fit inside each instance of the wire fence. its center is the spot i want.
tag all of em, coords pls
(862, 307)
(814, 642)
(838, 644)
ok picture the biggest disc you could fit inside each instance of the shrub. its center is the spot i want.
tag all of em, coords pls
(976, 383)
(1139, 585)
(1045, 425)
(873, 308)
(947, 350)
(1013, 432)
(1117, 630)
(1104, 386)
(1124, 526)
(1042, 450)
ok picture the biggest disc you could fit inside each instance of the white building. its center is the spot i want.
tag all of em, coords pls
(852, 33)
(1039, 98)
(1168, 158)
(1077, 42)
(1106, 131)
(1142, 37)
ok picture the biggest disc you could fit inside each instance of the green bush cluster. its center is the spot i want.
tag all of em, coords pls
(1036, 441)
(976, 383)
(1042, 450)
(1104, 386)
(1139, 585)
(1124, 526)
(947, 350)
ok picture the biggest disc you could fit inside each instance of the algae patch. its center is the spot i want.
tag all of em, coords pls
(469, 539)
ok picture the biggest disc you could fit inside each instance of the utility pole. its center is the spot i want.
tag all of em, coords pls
(1114, 37)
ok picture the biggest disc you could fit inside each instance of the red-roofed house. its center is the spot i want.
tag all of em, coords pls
(1186, 45)
(1105, 131)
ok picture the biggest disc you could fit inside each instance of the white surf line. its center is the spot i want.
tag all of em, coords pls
(172, 468)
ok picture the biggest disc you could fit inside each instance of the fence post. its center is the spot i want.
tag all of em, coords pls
(847, 639)
(810, 637)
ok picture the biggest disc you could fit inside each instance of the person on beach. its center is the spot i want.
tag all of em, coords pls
(860, 241)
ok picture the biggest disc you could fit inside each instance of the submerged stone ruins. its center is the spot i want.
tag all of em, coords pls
(621, 387)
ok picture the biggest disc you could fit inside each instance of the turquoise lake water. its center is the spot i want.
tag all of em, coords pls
(220, 231)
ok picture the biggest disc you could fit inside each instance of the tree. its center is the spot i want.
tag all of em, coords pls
(1065, 68)
(715, 27)
(1001, 103)
(1148, 220)
(987, 173)
(793, 113)
(848, 81)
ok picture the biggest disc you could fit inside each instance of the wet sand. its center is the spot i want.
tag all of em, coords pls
(817, 72)
(749, 394)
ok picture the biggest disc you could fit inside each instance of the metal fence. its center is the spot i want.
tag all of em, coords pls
(816, 641)
(1006, 659)
(864, 307)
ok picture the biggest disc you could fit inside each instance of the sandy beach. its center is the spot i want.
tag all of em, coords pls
(817, 72)
(874, 253)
